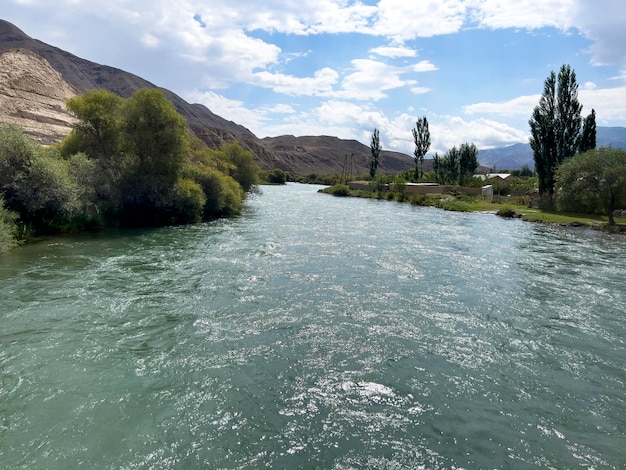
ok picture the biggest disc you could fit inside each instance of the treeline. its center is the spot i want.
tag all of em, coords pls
(127, 163)
(572, 174)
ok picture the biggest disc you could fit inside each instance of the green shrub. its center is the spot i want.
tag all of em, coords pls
(419, 199)
(8, 228)
(276, 176)
(340, 190)
(457, 204)
(188, 201)
(224, 196)
(36, 183)
(507, 212)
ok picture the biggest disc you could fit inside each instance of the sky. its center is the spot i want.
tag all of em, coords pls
(474, 68)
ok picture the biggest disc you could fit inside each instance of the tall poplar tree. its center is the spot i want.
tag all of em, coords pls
(555, 128)
(421, 137)
(587, 140)
(375, 148)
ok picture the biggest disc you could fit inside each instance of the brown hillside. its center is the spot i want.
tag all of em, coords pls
(33, 95)
(323, 154)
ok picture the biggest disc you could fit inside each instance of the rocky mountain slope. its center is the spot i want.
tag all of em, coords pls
(33, 95)
(53, 75)
(323, 153)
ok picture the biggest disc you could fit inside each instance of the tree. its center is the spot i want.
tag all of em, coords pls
(555, 127)
(276, 176)
(468, 161)
(421, 137)
(593, 182)
(99, 130)
(243, 168)
(587, 139)
(375, 149)
(35, 182)
(449, 166)
(100, 134)
(437, 168)
(157, 135)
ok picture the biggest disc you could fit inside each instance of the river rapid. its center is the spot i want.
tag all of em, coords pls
(316, 332)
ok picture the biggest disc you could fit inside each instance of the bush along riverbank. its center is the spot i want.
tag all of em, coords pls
(126, 163)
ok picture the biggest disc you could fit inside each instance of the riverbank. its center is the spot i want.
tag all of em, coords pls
(506, 207)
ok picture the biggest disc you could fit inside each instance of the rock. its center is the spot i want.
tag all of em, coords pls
(33, 96)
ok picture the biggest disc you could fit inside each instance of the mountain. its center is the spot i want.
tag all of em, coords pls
(507, 158)
(28, 64)
(33, 95)
(320, 154)
(515, 156)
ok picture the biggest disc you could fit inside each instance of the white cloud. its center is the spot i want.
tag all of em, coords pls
(424, 66)
(150, 41)
(232, 110)
(419, 90)
(394, 51)
(531, 14)
(609, 103)
(321, 83)
(589, 86)
(521, 106)
(308, 17)
(278, 109)
(603, 22)
(371, 79)
(402, 20)
(484, 133)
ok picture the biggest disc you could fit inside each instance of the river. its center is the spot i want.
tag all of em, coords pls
(316, 332)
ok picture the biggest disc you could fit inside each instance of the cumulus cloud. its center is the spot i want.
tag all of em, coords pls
(232, 110)
(603, 23)
(608, 103)
(401, 20)
(419, 90)
(497, 14)
(371, 79)
(394, 51)
(321, 83)
(484, 133)
(520, 106)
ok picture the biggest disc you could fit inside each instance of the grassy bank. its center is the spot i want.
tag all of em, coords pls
(508, 207)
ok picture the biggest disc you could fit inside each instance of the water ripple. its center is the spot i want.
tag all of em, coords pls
(316, 332)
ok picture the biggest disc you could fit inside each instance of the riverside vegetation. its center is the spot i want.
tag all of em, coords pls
(591, 188)
(127, 163)
(574, 182)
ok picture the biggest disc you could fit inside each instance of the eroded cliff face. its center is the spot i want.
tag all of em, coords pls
(33, 96)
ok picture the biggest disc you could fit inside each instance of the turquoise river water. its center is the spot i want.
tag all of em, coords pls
(316, 332)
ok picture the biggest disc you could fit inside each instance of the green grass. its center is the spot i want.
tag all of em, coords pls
(477, 204)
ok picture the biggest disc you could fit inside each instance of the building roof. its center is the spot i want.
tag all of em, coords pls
(488, 176)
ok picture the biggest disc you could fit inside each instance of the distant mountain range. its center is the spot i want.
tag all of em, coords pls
(515, 156)
(37, 78)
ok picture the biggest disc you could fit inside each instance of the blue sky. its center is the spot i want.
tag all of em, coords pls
(474, 68)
